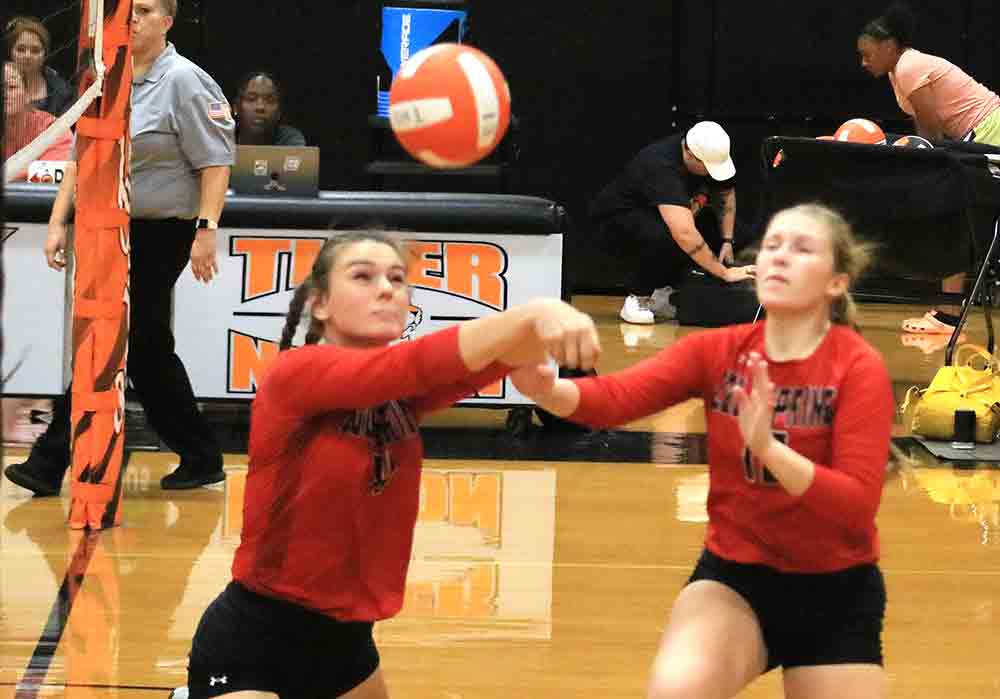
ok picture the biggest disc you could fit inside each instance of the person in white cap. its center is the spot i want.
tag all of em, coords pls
(647, 215)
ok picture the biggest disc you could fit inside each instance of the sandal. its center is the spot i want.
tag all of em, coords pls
(927, 325)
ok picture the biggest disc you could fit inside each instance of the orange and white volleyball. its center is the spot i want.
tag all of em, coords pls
(449, 105)
(860, 131)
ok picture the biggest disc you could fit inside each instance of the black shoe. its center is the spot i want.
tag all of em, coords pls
(188, 476)
(38, 474)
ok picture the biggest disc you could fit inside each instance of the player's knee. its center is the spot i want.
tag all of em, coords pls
(682, 688)
(687, 680)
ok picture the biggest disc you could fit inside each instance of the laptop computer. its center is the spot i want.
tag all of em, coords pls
(284, 171)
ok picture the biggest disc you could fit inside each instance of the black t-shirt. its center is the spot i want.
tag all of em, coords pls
(655, 176)
(60, 95)
(286, 135)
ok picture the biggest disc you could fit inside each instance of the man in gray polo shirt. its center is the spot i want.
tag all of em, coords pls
(182, 150)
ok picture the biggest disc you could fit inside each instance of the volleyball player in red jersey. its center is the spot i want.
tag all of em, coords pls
(799, 411)
(332, 488)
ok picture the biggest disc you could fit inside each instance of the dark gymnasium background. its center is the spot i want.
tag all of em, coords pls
(592, 82)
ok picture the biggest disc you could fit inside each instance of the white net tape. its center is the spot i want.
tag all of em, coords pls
(16, 166)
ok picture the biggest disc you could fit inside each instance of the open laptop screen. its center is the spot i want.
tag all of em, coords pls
(289, 171)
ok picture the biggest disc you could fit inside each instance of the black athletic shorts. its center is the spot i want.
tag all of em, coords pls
(808, 618)
(246, 641)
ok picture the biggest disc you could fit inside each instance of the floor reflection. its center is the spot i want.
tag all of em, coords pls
(482, 558)
(517, 587)
(116, 592)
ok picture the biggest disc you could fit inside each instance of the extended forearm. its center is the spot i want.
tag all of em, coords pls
(794, 472)
(561, 400)
(510, 337)
(692, 242)
(214, 183)
(728, 218)
(830, 492)
(62, 207)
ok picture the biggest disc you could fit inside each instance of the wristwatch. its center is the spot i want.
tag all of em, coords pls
(207, 223)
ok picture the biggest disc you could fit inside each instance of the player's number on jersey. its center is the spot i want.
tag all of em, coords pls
(754, 470)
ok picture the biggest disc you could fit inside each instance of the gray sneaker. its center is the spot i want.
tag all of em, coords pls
(179, 693)
(660, 304)
(636, 310)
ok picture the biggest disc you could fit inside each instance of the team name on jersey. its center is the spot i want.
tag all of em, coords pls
(795, 406)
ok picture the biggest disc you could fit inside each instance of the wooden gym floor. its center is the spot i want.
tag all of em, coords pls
(532, 577)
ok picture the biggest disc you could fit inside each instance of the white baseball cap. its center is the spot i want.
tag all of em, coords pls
(709, 143)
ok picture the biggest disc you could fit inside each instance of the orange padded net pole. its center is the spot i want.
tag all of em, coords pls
(101, 292)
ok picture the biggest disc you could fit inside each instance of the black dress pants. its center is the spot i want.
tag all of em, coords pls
(160, 252)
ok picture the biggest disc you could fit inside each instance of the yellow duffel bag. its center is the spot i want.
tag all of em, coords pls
(960, 386)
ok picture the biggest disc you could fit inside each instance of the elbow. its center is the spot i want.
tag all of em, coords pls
(856, 522)
(851, 504)
(860, 519)
(685, 239)
(867, 513)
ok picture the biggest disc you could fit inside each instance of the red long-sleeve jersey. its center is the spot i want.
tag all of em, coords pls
(323, 525)
(834, 408)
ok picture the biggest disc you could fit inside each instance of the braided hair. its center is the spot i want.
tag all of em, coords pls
(314, 287)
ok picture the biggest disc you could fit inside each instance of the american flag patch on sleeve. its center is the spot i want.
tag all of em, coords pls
(219, 111)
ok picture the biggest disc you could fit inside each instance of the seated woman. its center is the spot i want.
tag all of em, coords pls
(945, 103)
(258, 112)
(29, 43)
(23, 122)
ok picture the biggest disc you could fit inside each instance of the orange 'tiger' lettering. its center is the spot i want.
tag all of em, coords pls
(494, 390)
(306, 250)
(260, 269)
(427, 265)
(249, 358)
(475, 270)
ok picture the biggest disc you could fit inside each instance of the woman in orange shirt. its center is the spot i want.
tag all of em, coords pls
(944, 101)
